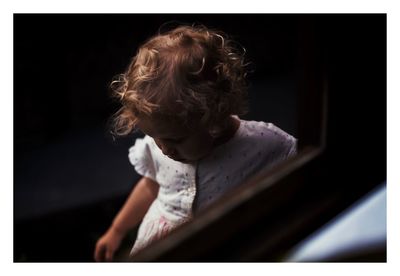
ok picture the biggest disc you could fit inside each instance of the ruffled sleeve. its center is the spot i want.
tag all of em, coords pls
(141, 158)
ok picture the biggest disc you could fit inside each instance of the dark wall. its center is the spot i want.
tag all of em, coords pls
(64, 63)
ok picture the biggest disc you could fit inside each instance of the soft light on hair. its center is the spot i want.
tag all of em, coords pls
(184, 74)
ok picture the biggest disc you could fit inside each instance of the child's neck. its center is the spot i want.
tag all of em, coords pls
(232, 126)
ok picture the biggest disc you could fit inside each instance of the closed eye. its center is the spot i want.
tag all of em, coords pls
(174, 140)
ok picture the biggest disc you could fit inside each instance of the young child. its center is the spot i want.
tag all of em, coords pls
(184, 90)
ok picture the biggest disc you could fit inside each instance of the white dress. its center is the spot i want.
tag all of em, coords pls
(188, 188)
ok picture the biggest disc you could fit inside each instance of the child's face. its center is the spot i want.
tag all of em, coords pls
(177, 141)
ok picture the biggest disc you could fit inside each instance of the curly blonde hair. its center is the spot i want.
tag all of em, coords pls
(186, 73)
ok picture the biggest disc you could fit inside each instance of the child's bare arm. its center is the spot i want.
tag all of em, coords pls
(136, 206)
(127, 218)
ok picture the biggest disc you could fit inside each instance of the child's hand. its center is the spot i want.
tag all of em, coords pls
(107, 245)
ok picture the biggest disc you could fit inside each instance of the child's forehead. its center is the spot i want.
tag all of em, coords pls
(161, 127)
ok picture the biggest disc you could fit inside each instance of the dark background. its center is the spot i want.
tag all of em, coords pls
(70, 177)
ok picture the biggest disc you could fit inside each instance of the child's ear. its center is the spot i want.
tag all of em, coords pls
(214, 131)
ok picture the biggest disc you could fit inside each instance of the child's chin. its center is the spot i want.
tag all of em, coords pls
(191, 159)
(186, 160)
(183, 160)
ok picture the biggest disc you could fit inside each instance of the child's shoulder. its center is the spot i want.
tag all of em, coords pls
(256, 135)
(263, 130)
